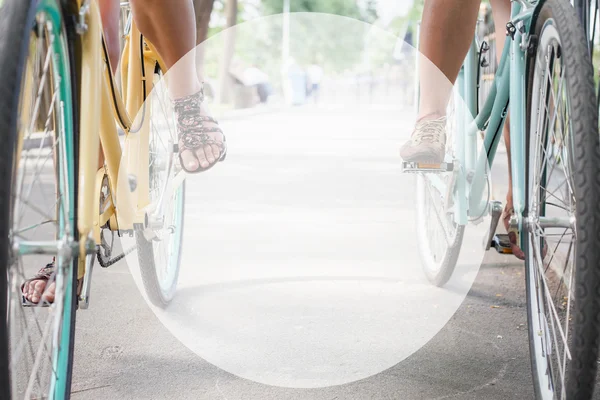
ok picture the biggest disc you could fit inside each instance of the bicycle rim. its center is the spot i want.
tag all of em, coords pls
(160, 249)
(42, 211)
(553, 238)
(438, 235)
(552, 281)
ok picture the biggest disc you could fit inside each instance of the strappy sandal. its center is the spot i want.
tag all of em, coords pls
(193, 133)
(45, 274)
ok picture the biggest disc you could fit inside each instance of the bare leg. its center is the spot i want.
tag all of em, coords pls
(171, 27)
(110, 11)
(501, 12)
(447, 30)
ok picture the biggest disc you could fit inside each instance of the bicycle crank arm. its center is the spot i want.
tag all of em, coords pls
(84, 296)
(496, 212)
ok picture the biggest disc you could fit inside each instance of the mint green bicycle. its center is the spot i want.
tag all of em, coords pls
(545, 81)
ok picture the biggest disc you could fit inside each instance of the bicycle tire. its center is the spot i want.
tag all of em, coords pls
(160, 292)
(159, 296)
(583, 122)
(438, 273)
(16, 24)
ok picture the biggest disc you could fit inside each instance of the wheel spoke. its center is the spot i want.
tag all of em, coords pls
(39, 212)
(162, 171)
(437, 213)
(547, 293)
(552, 238)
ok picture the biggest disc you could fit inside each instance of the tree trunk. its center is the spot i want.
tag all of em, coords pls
(203, 10)
(226, 81)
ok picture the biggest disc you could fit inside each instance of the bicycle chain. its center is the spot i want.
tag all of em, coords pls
(106, 260)
(112, 260)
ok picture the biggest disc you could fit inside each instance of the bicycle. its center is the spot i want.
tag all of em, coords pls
(545, 71)
(60, 104)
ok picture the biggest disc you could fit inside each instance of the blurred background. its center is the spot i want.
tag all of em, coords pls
(313, 183)
(271, 52)
(254, 53)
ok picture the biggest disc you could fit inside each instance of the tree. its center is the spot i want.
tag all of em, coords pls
(318, 38)
(203, 10)
(345, 8)
(231, 10)
(408, 22)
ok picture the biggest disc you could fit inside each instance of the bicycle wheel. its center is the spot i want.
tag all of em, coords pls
(439, 236)
(159, 247)
(562, 216)
(37, 202)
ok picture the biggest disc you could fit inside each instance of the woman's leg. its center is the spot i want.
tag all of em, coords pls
(501, 13)
(447, 29)
(171, 27)
(110, 12)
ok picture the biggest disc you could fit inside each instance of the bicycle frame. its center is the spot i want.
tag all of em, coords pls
(101, 104)
(509, 82)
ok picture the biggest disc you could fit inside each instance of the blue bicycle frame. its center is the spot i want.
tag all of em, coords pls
(510, 80)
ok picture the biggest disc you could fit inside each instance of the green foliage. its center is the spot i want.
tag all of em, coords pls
(416, 12)
(337, 44)
(346, 8)
(408, 21)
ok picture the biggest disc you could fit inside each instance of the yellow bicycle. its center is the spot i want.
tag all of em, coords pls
(59, 103)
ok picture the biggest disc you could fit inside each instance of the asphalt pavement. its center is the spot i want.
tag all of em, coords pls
(278, 169)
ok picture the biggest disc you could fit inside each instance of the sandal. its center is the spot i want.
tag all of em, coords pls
(193, 134)
(45, 274)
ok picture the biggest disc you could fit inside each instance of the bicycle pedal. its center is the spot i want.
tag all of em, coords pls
(27, 303)
(501, 243)
(420, 167)
(495, 208)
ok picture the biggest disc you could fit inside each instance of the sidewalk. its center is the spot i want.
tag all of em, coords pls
(480, 353)
(241, 113)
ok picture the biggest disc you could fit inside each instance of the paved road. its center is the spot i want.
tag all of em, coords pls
(125, 352)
